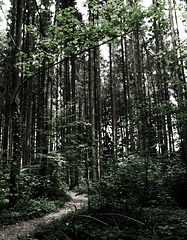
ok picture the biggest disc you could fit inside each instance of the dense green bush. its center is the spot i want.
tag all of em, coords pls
(135, 200)
(133, 184)
(27, 209)
(34, 185)
(38, 194)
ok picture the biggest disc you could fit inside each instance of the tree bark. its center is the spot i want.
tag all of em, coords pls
(15, 116)
(113, 103)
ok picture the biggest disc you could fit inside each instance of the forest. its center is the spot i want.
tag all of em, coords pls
(93, 100)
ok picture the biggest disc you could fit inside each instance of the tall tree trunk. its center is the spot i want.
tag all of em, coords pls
(74, 169)
(98, 108)
(7, 125)
(15, 116)
(125, 76)
(181, 88)
(92, 95)
(92, 115)
(41, 138)
(130, 107)
(16, 158)
(161, 124)
(113, 103)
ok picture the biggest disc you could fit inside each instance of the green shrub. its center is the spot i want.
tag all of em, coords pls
(34, 185)
(28, 209)
(38, 195)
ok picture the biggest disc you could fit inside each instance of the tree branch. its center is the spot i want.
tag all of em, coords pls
(93, 218)
(56, 63)
(121, 215)
(68, 58)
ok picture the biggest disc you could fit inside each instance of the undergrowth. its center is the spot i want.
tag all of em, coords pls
(136, 201)
(28, 209)
(38, 195)
(158, 224)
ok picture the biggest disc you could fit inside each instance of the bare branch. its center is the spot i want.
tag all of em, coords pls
(121, 215)
(93, 218)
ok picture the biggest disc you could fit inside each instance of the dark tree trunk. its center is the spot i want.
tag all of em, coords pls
(16, 158)
(15, 116)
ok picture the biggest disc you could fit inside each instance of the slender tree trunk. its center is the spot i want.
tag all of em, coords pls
(7, 126)
(74, 170)
(92, 114)
(181, 89)
(98, 108)
(125, 96)
(161, 124)
(113, 102)
(41, 138)
(130, 107)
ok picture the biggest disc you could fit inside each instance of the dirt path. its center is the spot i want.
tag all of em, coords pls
(11, 232)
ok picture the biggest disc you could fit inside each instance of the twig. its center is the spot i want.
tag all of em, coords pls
(116, 224)
(154, 231)
(75, 209)
(65, 235)
(88, 216)
(150, 218)
(121, 215)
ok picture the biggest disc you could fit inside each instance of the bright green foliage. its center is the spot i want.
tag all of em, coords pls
(115, 20)
(71, 35)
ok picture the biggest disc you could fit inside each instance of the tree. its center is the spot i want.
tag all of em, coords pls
(126, 98)
(14, 111)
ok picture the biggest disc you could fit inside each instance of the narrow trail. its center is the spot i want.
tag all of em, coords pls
(13, 232)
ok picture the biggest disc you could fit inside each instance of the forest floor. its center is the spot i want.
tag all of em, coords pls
(25, 228)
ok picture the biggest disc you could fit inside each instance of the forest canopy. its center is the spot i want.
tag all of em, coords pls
(97, 103)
